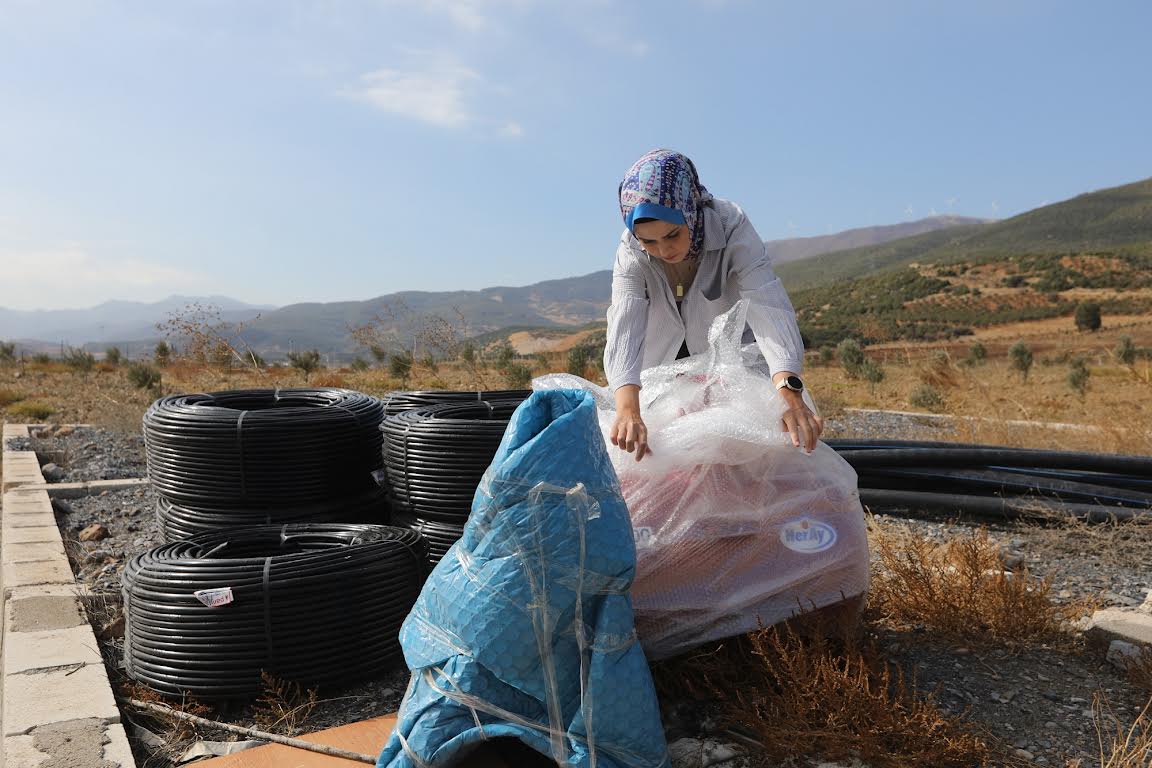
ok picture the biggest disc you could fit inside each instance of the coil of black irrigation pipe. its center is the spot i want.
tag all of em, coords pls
(312, 603)
(435, 457)
(180, 521)
(999, 481)
(262, 447)
(398, 402)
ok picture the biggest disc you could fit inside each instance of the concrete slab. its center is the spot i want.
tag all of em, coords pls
(34, 699)
(40, 613)
(21, 752)
(12, 431)
(25, 651)
(32, 551)
(116, 749)
(75, 744)
(20, 468)
(1128, 624)
(37, 520)
(55, 571)
(20, 535)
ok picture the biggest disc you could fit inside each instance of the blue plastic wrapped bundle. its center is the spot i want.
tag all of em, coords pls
(525, 628)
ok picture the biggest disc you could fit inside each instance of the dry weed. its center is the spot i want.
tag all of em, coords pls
(960, 589)
(1122, 747)
(9, 396)
(283, 706)
(1123, 543)
(174, 729)
(800, 696)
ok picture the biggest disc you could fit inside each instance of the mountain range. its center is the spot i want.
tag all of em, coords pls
(562, 303)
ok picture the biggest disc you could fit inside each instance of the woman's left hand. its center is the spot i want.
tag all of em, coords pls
(800, 422)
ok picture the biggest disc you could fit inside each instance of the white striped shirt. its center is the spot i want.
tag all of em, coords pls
(645, 327)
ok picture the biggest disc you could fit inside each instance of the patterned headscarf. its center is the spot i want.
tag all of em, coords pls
(664, 185)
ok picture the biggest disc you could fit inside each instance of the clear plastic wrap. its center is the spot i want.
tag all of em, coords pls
(734, 526)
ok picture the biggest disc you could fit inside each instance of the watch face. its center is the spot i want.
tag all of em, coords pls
(794, 383)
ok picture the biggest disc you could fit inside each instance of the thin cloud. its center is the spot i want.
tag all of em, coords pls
(436, 95)
(71, 276)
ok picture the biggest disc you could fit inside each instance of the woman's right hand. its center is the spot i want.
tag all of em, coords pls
(628, 430)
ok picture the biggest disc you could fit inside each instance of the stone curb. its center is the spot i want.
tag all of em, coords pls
(56, 703)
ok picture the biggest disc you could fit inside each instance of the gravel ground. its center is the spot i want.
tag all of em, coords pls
(1037, 700)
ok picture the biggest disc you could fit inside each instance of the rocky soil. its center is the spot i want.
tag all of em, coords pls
(1037, 700)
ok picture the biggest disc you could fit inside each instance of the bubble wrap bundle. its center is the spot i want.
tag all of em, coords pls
(735, 527)
(525, 627)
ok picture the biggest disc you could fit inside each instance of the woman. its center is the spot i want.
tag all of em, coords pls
(684, 259)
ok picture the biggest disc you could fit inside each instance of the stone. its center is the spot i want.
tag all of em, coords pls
(113, 629)
(1122, 654)
(1024, 754)
(94, 532)
(65, 431)
(52, 472)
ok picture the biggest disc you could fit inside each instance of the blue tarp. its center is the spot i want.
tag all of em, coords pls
(525, 628)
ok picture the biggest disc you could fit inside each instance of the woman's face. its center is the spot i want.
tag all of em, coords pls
(664, 240)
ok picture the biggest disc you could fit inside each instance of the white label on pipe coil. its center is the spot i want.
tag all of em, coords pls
(214, 598)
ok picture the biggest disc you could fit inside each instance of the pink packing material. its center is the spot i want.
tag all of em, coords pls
(735, 527)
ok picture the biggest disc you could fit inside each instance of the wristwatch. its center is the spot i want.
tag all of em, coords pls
(793, 383)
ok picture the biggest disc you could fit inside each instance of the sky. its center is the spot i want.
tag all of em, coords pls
(282, 151)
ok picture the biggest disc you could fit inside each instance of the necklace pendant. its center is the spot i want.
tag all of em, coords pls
(679, 290)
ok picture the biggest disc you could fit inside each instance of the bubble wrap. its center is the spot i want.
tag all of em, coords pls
(735, 527)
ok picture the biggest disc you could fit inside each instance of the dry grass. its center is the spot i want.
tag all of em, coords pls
(9, 396)
(1121, 543)
(283, 706)
(960, 590)
(1120, 746)
(804, 696)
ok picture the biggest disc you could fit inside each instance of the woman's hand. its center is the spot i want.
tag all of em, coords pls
(799, 421)
(628, 430)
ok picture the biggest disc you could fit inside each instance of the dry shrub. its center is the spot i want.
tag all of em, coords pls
(1122, 747)
(959, 589)
(803, 696)
(937, 370)
(283, 706)
(9, 396)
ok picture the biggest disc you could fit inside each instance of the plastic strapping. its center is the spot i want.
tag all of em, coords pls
(268, 613)
(240, 454)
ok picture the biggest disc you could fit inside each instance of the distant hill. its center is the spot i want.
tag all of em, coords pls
(797, 248)
(1095, 247)
(1107, 219)
(111, 321)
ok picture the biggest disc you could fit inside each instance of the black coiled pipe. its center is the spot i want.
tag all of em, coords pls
(263, 447)
(398, 402)
(435, 456)
(314, 603)
(179, 521)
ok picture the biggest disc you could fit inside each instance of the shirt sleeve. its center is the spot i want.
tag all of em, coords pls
(627, 321)
(770, 313)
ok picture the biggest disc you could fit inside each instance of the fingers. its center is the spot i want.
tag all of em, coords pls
(804, 427)
(632, 436)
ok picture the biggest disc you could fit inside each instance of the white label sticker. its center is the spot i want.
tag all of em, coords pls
(807, 536)
(214, 598)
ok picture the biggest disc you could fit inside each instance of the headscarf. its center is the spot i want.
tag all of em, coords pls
(664, 185)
